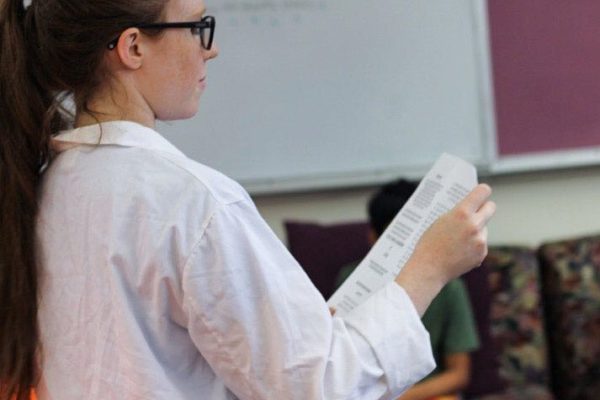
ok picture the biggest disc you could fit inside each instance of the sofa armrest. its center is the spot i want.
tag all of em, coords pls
(571, 288)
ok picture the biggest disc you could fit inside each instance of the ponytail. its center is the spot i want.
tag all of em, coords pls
(28, 116)
(37, 49)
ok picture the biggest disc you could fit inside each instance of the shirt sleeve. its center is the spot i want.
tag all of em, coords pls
(266, 331)
(461, 332)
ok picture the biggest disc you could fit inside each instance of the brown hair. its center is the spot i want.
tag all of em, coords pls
(52, 49)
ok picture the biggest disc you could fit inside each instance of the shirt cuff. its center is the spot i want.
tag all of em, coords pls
(393, 329)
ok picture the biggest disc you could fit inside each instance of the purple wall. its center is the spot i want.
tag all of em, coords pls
(546, 64)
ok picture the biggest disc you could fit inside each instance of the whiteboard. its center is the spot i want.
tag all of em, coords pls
(307, 94)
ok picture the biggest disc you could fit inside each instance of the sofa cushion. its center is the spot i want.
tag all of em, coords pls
(322, 250)
(516, 323)
(571, 276)
(521, 392)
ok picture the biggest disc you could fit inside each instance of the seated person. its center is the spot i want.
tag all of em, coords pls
(449, 318)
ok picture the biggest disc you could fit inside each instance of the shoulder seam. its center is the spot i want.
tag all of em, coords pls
(162, 156)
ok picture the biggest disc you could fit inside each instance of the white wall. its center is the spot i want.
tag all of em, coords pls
(532, 207)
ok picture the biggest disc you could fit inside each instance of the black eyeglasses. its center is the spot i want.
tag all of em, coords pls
(205, 28)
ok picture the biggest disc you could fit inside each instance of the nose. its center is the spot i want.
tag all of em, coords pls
(212, 53)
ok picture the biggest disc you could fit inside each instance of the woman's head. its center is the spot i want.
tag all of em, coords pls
(163, 74)
(156, 69)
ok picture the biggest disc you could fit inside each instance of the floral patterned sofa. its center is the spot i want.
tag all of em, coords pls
(571, 287)
(538, 310)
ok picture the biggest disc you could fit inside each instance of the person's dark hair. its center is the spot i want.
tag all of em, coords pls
(49, 50)
(387, 201)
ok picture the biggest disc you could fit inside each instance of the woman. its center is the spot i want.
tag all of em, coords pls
(156, 277)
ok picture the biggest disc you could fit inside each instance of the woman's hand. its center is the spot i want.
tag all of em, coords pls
(453, 245)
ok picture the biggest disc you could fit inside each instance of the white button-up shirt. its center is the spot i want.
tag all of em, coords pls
(159, 280)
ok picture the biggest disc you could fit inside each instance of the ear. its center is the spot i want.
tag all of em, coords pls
(130, 48)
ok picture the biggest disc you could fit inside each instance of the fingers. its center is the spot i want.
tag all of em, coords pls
(484, 234)
(478, 196)
(485, 213)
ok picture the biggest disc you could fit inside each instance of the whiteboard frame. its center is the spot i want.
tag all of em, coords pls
(547, 160)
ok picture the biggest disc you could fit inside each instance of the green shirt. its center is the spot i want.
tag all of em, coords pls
(449, 320)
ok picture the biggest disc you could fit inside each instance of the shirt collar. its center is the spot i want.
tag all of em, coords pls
(118, 133)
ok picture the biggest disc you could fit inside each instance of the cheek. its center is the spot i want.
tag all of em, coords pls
(174, 104)
(186, 74)
(177, 95)
(176, 88)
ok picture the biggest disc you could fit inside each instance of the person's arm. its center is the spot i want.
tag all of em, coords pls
(454, 379)
(266, 332)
